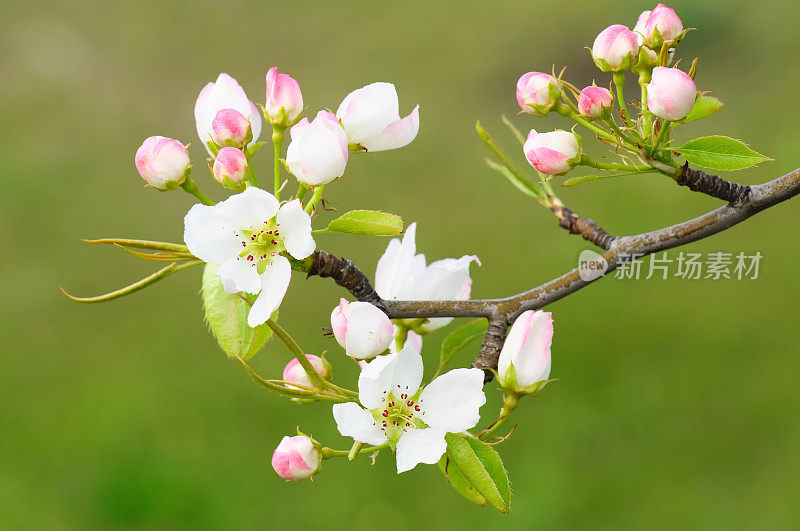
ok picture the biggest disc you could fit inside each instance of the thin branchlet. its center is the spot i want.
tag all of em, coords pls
(743, 202)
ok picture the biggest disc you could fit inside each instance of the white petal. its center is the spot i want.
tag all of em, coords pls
(407, 372)
(239, 275)
(375, 380)
(274, 283)
(451, 402)
(399, 267)
(420, 446)
(366, 112)
(207, 236)
(251, 208)
(352, 421)
(444, 279)
(295, 229)
(397, 134)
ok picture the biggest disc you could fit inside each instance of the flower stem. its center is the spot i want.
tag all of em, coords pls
(327, 453)
(315, 377)
(619, 81)
(190, 186)
(315, 198)
(614, 127)
(664, 133)
(251, 170)
(510, 401)
(277, 142)
(586, 161)
(301, 191)
(599, 131)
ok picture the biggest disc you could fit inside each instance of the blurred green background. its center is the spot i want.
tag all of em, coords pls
(677, 401)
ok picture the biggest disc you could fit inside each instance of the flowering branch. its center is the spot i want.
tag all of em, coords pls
(502, 312)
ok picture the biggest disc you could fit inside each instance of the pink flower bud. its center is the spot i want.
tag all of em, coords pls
(670, 93)
(294, 372)
(615, 49)
(296, 458)
(525, 356)
(231, 127)
(362, 329)
(162, 162)
(658, 26)
(537, 93)
(595, 102)
(230, 164)
(318, 151)
(284, 99)
(552, 153)
(225, 93)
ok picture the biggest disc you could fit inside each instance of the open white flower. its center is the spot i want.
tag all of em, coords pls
(403, 275)
(246, 234)
(225, 93)
(413, 421)
(371, 118)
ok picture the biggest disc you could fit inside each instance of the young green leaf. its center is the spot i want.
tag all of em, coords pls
(481, 465)
(720, 153)
(460, 338)
(704, 106)
(459, 483)
(226, 315)
(370, 222)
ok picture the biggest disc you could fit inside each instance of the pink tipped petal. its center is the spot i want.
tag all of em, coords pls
(339, 322)
(274, 283)
(397, 134)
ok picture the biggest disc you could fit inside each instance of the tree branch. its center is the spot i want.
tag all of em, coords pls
(743, 203)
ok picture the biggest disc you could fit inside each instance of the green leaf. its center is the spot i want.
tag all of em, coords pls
(459, 338)
(507, 168)
(370, 222)
(459, 483)
(481, 465)
(226, 315)
(704, 106)
(519, 181)
(720, 153)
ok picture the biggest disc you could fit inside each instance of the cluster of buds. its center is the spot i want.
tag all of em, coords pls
(668, 94)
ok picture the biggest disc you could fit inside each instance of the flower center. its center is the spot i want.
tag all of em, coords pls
(260, 244)
(398, 413)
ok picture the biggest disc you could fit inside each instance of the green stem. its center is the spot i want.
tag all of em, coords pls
(662, 134)
(301, 191)
(614, 127)
(599, 131)
(190, 186)
(646, 117)
(315, 198)
(327, 453)
(586, 161)
(315, 377)
(253, 178)
(510, 401)
(619, 81)
(277, 142)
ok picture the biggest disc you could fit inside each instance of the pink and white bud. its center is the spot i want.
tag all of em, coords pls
(225, 93)
(658, 26)
(615, 49)
(284, 99)
(371, 117)
(595, 102)
(552, 153)
(162, 162)
(362, 329)
(537, 93)
(670, 93)
(294, 373)
(230, 127)
(318, 151)
(296, 458)
(525, 357)
(230, 167)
